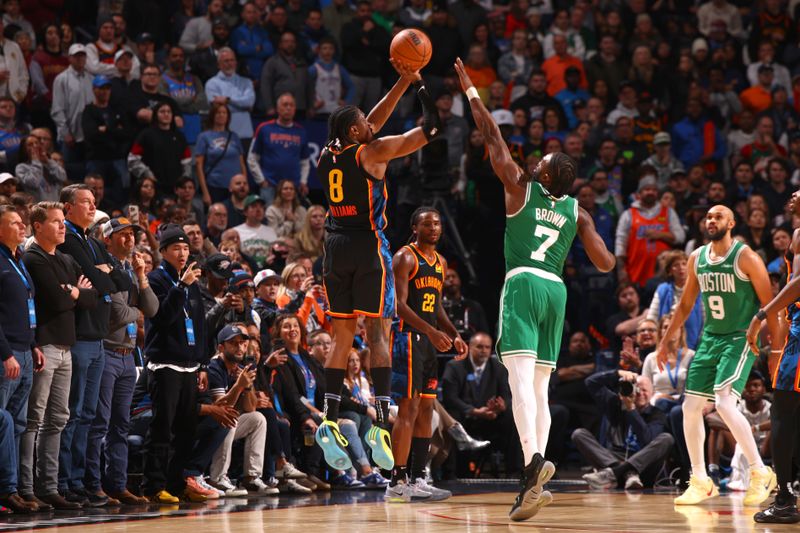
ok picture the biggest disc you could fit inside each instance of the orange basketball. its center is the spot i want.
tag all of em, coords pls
(412, 48)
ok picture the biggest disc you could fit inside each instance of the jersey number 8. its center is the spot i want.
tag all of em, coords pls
(717, 307)
(336, 193)
(551, 238)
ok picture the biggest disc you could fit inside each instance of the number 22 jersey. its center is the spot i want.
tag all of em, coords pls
(356, 200)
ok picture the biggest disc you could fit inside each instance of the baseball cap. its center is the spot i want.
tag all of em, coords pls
(77, 48)
(219, 22)
(121, 53)
(503, 117)
(100, 217)
(578, 103)
(220, 266)
(647, 181)
(231, 331)
(662, 137)
(241, 279)
(118, 224)
(699, 44)
(145, 38)
(253, 198)
(100, 81)
(172, 234)
(5, 176)
(264, 275)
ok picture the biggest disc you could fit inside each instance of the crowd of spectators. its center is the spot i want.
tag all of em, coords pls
(161, 222)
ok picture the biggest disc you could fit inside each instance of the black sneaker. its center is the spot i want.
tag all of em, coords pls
(75, 496)
(531, 498)
(779, 513)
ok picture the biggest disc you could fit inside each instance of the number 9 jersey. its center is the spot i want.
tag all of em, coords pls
(356, 200)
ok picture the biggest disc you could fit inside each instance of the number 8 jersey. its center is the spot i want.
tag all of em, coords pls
(729, 299)
(356, 200)
(540, 234)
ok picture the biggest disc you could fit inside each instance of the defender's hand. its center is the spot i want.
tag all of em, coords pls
(463, 77)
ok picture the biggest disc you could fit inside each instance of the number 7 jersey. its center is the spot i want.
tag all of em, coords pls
(356, 200)
(729, 299)
(539, 235)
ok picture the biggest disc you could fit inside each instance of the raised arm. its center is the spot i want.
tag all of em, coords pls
(384, 109)
(502, 162)
(593, 243)
(682, 312)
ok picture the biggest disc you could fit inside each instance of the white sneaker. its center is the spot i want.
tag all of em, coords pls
(405, 493)
(256, 486)
(227, 487)
(437, 494)
(289, 471)
(297, 488)
(203, 483)
(633, 482)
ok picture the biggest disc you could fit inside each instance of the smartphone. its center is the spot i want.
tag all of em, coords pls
(133, 213)
(278, 344)
(249, 360)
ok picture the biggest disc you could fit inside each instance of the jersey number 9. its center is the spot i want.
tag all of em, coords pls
(335, 190)
(717, 307)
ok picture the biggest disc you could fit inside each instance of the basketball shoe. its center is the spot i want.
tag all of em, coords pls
(333, 445)
(380, 442)
(531, 497)
(782, 511)
(762, 483)
(699, 490)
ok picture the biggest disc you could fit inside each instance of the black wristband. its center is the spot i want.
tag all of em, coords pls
(761, 315)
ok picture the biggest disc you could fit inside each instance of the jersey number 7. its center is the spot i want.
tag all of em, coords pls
(551, 236)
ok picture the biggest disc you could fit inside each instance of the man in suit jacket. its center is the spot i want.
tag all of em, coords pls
(476, 392)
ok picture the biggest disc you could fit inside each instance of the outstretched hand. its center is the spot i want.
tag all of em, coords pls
(407, 73)
(463, 77)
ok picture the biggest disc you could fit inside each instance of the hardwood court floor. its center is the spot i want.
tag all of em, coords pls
(482, 511)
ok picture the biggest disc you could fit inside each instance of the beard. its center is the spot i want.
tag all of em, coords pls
(717, 236)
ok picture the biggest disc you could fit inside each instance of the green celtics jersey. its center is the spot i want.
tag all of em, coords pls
(729, 299)
(540, 234)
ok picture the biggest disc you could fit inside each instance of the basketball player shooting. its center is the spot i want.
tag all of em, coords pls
(542, 221)
(357, 266)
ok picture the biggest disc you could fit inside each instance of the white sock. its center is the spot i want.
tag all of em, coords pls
(541, 383)
(738, 426)
(521, 371)
(694, 432)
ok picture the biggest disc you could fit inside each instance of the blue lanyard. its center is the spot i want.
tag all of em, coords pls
(74, 229)
(175, 284)
(23, 274)
(674, 380)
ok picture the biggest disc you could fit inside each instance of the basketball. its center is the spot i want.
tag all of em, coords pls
(412, 48)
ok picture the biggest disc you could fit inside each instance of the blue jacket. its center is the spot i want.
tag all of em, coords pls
(688, 142)
(253, 46)
(694, 322)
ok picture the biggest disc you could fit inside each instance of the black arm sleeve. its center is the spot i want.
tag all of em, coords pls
(431, 123)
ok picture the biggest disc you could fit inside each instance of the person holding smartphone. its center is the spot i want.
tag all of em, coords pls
(176, 351)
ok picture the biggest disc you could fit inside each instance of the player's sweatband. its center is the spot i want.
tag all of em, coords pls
(761, 315)
(472, 93)
(431, 124)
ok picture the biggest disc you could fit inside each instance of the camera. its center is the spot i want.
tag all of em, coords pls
(627, 388)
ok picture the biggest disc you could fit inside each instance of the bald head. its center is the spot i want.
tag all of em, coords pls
(719, 222)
